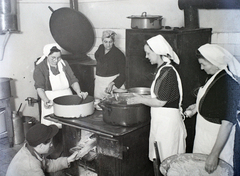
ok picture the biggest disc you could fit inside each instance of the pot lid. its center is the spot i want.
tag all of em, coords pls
(145, 16)
(72, 30)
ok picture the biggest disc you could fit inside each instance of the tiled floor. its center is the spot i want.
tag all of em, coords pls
(6, 154)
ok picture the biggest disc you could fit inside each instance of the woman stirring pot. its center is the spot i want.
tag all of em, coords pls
(216, 106)
(53, 78)
(167, 126)
(110, 69)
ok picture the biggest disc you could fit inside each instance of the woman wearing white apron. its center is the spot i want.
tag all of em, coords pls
(216, 106)
(110, 69)
(167, 126)
(53, 78)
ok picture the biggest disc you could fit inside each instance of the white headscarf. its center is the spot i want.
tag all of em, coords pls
(161, 47)
(46, 50)
(221, 58)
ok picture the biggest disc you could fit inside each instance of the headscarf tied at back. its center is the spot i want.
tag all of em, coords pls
(46, 50)
(161, 47)
(222, 59)
(109, 34)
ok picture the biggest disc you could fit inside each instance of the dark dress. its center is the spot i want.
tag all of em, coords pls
(111, 64)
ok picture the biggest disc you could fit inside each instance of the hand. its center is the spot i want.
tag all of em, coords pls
(190, 111)
(82, 94)
(135, 100)
(109, 87)
(211, 163)
(48, 104)
(72, 157)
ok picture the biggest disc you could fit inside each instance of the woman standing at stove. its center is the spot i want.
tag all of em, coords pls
(110, 69)
(53, 78)
(167, 126)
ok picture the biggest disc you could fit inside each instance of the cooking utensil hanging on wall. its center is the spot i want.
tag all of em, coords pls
(72, 30)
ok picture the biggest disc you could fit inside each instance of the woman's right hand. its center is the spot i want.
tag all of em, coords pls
(191, 110)
(83, 95)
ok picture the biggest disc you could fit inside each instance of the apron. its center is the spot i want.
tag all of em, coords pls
(167, 127)
(206, 132)
(100, 85)
(60, 87)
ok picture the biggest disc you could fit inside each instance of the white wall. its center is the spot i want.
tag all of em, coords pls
(23, 49)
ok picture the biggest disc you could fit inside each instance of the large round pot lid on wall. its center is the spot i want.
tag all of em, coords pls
(72, 30)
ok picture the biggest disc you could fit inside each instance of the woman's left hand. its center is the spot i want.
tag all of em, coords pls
(211, 163)
(135, 100)
(82, 94)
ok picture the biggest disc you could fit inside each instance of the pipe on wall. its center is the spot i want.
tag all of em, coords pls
(209, 4)
(190, 7)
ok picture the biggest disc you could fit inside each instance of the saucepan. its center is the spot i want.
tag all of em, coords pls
(145, 21)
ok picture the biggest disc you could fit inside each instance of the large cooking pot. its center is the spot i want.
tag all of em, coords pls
(118, 112)
(72, 106)
(5, 90)
(189, 164)
(145, 21)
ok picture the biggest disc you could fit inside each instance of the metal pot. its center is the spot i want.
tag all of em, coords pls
(5, 90)
(72, 106)
(123, 114)
(140, 90)
(145, 21)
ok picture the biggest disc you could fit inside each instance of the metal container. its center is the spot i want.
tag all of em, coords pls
(2, 120)
(145, 21)
(72, 106)
(5, 90)
(17, 128)
(120, 113)
(187, 163)
(140, 90)
(8, 16)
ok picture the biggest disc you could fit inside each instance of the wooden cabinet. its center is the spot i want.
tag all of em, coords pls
(140, 72)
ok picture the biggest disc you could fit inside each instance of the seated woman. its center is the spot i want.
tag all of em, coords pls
(110, 69)
(216, 106)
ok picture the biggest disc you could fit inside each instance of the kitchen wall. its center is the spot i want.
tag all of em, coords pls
(24, 48)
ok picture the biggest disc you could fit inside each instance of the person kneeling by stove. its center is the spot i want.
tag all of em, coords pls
(30, 159)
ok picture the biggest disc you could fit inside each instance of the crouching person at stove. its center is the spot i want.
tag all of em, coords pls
(30, 160)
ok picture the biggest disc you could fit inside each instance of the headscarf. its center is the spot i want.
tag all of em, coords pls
(109, 34)
(46, 50)
(222, 59)
(161, 47)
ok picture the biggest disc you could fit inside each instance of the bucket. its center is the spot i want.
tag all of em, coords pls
(17, 128)
(2, 121)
